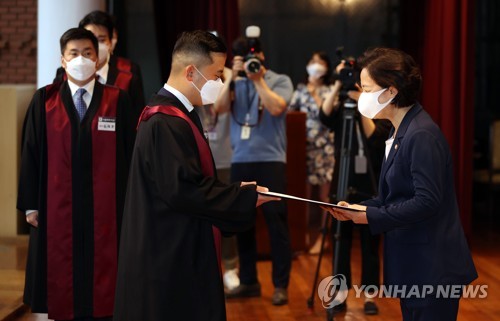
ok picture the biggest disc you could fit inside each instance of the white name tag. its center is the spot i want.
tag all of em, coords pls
(245, 132)
(106, 124)
(360, 165)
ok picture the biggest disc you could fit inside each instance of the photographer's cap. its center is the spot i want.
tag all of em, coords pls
(252, 32)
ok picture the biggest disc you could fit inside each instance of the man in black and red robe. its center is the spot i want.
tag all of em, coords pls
(112, 70)
(175, 209)
(77, 142)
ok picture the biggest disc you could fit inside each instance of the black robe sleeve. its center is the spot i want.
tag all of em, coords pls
(31, 147)
(173, 163)
(136, 92)
(138, 86)
(126, 130)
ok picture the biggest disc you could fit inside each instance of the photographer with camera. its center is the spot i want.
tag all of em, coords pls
(257, 100)
(367, 150)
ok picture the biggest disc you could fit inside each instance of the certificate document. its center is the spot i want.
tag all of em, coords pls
(295, 198)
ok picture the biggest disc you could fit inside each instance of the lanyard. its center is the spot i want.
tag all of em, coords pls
(249, 107)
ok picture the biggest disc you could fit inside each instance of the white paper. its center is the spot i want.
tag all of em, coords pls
(291, 197)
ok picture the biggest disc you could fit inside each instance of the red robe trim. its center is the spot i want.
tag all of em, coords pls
(123, 64)
(123, 79)
(207, 166)
(105, 228)
(60, 295)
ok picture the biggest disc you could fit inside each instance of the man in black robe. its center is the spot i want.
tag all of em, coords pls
(169, 265)
(77, 143)
(112, 70)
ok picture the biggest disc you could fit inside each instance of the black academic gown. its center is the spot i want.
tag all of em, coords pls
(168, 267)
(33, 191)
(135, 89)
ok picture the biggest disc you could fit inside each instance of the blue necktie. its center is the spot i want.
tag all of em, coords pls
(81, 106)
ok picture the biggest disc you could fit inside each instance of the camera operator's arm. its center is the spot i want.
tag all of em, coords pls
(276, 100)
(367, 124)
(330, 104)
(223, 102)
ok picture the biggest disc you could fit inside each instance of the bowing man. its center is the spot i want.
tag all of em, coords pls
(77, 140)
(175, 208)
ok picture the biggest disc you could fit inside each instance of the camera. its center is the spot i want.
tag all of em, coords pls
(248, 47)
(349, 75)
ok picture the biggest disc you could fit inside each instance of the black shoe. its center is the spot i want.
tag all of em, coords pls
(330, 313)
(370, 308)
(244, 291)
(342, 307)
(280, 296)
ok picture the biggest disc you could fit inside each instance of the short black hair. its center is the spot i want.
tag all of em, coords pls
(77, 34)
(393, 67)
(198, 44)
(98, 18)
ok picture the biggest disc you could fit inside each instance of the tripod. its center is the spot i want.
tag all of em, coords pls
(349, 123)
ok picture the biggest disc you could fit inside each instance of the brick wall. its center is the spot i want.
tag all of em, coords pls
(18, 28)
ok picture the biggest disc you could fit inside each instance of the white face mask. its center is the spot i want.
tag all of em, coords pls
(103, 53)
(368, 104)
(210, 90)
(80, 68)
(316, 70)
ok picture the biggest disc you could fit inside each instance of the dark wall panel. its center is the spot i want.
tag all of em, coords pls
(291, 30)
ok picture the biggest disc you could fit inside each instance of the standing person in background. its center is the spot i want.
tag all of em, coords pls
(257, 102)
(77, 143)
(308, 98)
(217, 131)
(416, 208)
(367, 144)
(112, 70)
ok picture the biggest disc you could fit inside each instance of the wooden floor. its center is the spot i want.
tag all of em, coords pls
(485, 248)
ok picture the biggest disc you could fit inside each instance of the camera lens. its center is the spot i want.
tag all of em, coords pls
(253, 65)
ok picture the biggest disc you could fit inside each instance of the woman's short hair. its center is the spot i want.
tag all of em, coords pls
(327, 77)
(393, 67)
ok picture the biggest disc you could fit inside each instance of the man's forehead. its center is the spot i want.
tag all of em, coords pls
(79, 44)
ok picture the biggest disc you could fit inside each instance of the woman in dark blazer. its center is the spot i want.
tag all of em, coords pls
(416, 209)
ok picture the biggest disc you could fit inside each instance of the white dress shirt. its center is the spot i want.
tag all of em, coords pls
(388, 146)
(87, 97)
(180, 96)
(103, 74)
